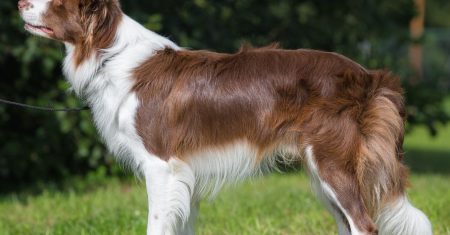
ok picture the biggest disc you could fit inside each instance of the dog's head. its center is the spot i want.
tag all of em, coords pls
(90, 23)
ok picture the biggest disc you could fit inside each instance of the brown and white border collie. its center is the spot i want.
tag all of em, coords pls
(191, 121)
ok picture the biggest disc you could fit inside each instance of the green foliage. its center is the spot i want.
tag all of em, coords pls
(38, 146)
(427, 98)
(437, 14)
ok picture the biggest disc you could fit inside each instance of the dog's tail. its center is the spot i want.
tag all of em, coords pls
(381, 175)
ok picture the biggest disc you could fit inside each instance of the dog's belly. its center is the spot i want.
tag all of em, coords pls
(217, 166)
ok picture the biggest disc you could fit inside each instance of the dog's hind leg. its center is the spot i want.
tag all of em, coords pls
(170, 187)
(338, 190)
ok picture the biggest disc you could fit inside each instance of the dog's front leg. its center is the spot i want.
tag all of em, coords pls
(170, 186)
(188, 228)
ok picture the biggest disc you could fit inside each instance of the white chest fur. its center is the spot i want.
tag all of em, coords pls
(106, 81)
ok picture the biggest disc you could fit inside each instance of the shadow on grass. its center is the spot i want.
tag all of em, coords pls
(428, 161)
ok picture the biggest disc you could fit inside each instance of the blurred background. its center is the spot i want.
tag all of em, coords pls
(41, 151)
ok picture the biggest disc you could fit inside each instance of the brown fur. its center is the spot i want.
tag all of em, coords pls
(90, 25)
(191, 100)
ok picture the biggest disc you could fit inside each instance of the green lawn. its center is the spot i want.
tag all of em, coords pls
(276, 204)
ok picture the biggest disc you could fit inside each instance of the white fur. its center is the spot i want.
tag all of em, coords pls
(33, 15)
(215, 167)
(170, 186)
(328, 196)
(189, 227)
(401, 218)
(105, 82)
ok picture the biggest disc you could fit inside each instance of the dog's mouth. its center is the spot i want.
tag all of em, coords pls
(37, 29)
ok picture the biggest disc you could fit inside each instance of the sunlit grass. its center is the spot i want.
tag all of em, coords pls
(419, 138)
(427, 154)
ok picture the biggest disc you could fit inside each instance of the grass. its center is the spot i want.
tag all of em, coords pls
(276, 204)
(426, 154)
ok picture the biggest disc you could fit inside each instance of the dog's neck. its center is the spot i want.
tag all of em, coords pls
(105, 81)
(129, 35)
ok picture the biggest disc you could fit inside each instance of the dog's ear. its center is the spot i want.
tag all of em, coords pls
(101, 8)
(97, 16)
(96, 5)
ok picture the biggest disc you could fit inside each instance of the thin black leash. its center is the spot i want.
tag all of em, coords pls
(40, 108)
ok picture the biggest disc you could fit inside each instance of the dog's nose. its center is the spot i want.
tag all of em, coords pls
(23, 4)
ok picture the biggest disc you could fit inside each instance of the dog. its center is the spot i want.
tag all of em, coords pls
(190, 122)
